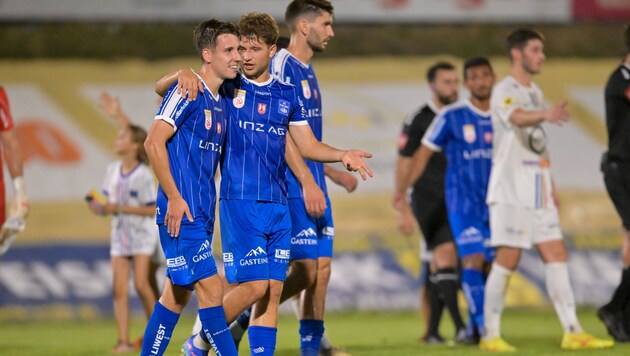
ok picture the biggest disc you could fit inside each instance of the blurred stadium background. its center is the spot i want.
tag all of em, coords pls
(57, 56)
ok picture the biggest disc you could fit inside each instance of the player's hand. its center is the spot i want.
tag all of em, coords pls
(353, 161)
(314, 200)
(347, 180)
(189, 84)
(95, 207)
(405, 224)
(558, 114)
(109, 104)
(175, 211)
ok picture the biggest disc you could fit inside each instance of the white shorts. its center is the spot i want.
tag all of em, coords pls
(134, 240)
(520, 227)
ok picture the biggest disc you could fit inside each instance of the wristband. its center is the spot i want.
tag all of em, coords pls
(19, 187)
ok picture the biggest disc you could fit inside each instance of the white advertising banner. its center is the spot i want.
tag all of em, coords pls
(346, 11)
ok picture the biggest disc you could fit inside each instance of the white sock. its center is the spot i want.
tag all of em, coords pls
(197, 326)
(494, 300)
(237, 330)
(561, 295)
(198, 341)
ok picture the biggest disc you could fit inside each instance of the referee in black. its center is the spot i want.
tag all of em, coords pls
(616, 168)
(428, 204)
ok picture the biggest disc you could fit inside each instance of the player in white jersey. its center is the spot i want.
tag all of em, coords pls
(129, 192)
(521, 195)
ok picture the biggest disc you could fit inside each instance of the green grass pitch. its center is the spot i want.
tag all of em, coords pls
(532, 331)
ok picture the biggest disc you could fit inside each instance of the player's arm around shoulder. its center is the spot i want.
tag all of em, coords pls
(188, 83)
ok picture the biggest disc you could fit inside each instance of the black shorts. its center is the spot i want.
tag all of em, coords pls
(617, 180)
(433, 221)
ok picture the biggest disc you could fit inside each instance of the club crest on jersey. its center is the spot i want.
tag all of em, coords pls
(306, 89)
(239, 98)
(262, 108)
(208, 119)
(508, 101)
(315, 93)
(283, 107)
(469, 133)
(488, 137)
(219, 127)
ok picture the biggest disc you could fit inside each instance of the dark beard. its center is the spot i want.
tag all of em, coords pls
(445, 100)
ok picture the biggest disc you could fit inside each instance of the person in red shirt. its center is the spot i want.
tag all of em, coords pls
(12, 154)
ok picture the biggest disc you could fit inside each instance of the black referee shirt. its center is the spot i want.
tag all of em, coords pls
(431, 185)
(617, 99)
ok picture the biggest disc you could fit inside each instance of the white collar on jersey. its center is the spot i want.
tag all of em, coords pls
(475, 109)
(215, 97)
(271, 78)
(305, 65)
(432, 106)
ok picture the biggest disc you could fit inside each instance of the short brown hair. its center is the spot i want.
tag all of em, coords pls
(299, 8)
(206, 33)
(259, 26)
(518, 38)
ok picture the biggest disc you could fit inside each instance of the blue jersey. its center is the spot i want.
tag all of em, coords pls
(289, 69)
(465, 134)
(254, 166)
(194, 150)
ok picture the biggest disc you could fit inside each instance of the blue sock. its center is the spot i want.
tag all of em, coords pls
(262, 340)
(311, 332)
(472, 283)
(216, 330)
(159, 330)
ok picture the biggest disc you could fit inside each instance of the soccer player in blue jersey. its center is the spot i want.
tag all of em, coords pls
(310, 24)
(184, 146)
(464, 131)
(255, 220)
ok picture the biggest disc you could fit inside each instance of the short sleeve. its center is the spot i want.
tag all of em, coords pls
(503, 103)
(437, 134)
(297, 112)
(411, 134)
(147, 191)
(174, 108)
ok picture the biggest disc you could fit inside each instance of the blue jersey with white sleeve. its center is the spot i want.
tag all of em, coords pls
(194, 150)
(465, 134)
(254, 165)
(291, 70)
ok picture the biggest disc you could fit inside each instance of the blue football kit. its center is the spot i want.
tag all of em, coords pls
(310, 237)
(255, 220)
(464, 133)
(194, 153)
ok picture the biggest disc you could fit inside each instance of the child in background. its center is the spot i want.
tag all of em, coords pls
(129, 196)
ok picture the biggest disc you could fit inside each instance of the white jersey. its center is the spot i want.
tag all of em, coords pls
(131, 234)
(520, 164)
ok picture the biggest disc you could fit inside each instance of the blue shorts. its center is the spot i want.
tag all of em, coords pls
(256, 238)
(310, 237)
(189, 256)
(472, 235)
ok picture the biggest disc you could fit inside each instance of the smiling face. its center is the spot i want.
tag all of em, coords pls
(255, 56)
(224, 59)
